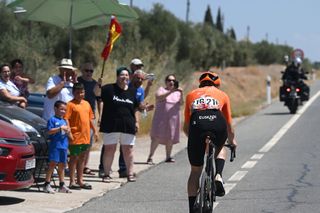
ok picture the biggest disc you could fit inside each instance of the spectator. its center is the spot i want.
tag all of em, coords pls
(8, 90)
(89, 84)
(135, 64)
(58, 131)
(136, 82)
(166, 120)
(59, 87)
(19, 78)
(80, 118)
(118, 123)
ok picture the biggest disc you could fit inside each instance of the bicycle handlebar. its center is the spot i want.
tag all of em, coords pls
(232, 150)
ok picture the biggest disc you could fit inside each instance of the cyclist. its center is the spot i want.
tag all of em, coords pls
(207, 109)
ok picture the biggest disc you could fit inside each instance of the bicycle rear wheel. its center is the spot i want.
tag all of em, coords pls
(205, 199)
(200, 199)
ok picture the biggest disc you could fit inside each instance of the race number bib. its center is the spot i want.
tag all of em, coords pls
(203, 103)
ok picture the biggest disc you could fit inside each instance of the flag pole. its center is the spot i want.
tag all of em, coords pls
(102, 71)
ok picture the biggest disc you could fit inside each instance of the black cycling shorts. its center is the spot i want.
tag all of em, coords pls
(202, 123)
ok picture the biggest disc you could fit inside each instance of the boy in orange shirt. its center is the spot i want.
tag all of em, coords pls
(80, 118)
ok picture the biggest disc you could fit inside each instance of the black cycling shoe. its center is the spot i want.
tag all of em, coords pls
(220, 192)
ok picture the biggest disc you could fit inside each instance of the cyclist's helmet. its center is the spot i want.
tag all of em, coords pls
(210, 77)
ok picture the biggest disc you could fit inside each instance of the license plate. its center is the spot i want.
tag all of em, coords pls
(30, 164)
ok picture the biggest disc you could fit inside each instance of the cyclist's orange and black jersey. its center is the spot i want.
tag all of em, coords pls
(207, 98)
(207, 111)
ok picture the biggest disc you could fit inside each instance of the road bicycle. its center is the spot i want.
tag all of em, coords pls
(206, 195)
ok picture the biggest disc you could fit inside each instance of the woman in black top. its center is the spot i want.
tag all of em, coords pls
(118, 121)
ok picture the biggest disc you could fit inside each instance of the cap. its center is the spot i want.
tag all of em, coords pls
(67, 64)
(136, 61)
(120, 69)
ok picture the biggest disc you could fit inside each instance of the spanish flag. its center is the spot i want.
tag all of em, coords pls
(114, 33)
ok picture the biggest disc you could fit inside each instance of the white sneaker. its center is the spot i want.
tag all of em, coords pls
(64, 189)
(48, 189)
(219, 186)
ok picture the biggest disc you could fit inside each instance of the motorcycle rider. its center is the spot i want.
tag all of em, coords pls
(294, 73)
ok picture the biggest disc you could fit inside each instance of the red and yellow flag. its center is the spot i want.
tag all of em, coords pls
(114, 33)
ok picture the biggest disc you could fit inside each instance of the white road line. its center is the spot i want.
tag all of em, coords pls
(256, 156)
(275, 139)
(249, 164)
(215, 204)
(238, 175)
(229, 186)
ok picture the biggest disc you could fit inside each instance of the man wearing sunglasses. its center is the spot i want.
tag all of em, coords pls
(90, 85)
(207, 109)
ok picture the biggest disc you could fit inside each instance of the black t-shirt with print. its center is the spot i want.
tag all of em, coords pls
(118, 109)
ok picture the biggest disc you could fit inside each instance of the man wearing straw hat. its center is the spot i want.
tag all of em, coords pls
(59, 87)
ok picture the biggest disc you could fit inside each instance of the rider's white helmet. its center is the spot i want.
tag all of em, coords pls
(297, 61)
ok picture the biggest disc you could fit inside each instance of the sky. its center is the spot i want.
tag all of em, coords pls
(291, 22)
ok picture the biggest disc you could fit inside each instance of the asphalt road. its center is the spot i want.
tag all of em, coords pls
(282, 176)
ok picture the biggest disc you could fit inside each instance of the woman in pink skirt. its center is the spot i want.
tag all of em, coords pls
(166, 120)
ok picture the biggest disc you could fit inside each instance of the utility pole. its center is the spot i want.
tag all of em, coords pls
(188, 10)
(131, 3)
(248, 33)
(267, 37)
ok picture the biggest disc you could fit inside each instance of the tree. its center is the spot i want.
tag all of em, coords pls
(231, 33)
(208, 17)
(160, 28)
(243, 54)
(219, 21)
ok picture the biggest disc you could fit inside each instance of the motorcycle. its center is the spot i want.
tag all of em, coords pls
(290, 94)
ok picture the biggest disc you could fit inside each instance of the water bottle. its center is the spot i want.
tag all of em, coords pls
(144, 113)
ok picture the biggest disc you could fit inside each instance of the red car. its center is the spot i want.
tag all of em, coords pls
(17, 159)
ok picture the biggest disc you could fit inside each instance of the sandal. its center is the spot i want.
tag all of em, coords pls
(132, 178)
(106, 179)
(86, 186)
(170, 160)
(88, 171)
(150, 161)
(74, 186)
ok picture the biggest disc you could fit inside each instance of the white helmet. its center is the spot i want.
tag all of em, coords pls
(297, 61)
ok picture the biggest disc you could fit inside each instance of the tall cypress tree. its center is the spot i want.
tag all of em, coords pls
(231, 33)
(219, 21)
(208, 17)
